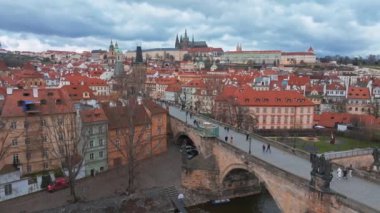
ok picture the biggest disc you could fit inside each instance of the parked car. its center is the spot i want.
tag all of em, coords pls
(59, 183)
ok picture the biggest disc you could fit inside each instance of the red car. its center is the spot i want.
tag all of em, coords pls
(60, 183)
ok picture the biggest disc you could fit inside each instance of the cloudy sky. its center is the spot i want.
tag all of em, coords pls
(346, 27)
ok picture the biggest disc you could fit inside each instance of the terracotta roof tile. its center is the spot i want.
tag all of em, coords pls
(358, 93)
(48, 101)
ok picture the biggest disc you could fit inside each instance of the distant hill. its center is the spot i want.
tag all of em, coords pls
(16, 60)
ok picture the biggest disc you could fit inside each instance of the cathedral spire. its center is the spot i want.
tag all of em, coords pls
(176, 42)
(185, 33)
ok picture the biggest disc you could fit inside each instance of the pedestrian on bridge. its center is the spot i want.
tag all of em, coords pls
(350, 171)
(339, 173)
(232, 140)
(263, 148)
(226, 139)
(268, 148)
(247, 137)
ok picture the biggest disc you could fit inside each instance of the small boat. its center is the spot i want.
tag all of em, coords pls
(220, 201)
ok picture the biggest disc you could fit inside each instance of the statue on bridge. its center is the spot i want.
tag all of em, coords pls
(376, 160)
(321, 173)
(376, 155)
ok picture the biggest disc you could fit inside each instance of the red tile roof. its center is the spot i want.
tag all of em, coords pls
(197, 83)
(330, 119)
(272, 98)
(76, 79)
(166, 81)
(297, 53)
(335, 86)
(93, 115)
(358, 93)
(173, 88)
(256, 52)
(48, 101)
(298, 80)
(76, 92)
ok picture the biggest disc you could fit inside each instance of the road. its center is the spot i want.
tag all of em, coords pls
(361, 190)
(161, 171)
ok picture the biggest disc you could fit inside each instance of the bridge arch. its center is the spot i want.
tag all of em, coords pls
(183, 138)
(231, 167)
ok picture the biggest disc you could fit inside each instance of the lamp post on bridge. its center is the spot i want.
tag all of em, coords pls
(250, 143)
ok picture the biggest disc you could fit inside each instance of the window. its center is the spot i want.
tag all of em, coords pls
(43, 122)
(278, 119)
(26, 124)
(308, 119)
(264, 119)
(45, 153)
(279, 110)
(160, 120)
(60, 121)
(29, 168)
(286, 119)
(308, 109)
(301, 109)
(8, 189)
(101, 154)
(100, 142)
(117, 143)
(291, 110)
(61, 150)
(14, 142)
(264, 110)
(90, 130)
(258, 110)
(272, 119)
(15, 159)
(91, 143)
(286, 110)
(100, 129)
(13, 125)
(28, 155)
(273, 109)
(46, 165)
(60, 136)
(91, 156)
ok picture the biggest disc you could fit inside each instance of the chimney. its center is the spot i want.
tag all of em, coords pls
(9, 90)
(35, 92)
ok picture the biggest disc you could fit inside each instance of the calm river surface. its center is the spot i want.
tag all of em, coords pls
(257, 203)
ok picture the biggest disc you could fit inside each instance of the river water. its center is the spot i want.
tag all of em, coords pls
(257, 203)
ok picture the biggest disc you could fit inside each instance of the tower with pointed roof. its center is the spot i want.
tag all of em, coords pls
(177, 42)
(114, 54)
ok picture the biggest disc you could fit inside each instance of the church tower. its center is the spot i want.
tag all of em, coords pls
(177, 46)
(111, 55)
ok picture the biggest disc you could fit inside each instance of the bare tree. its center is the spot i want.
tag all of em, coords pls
(134, 139)
(67, 144)
(7, 136)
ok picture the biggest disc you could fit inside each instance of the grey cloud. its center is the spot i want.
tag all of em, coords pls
(332, 27)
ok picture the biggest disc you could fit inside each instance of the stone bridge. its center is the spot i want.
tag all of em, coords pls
(224, 171)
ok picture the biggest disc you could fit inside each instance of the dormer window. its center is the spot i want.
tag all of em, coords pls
(25, 94)
(50, 94)
(43, 102)
(58, 101)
